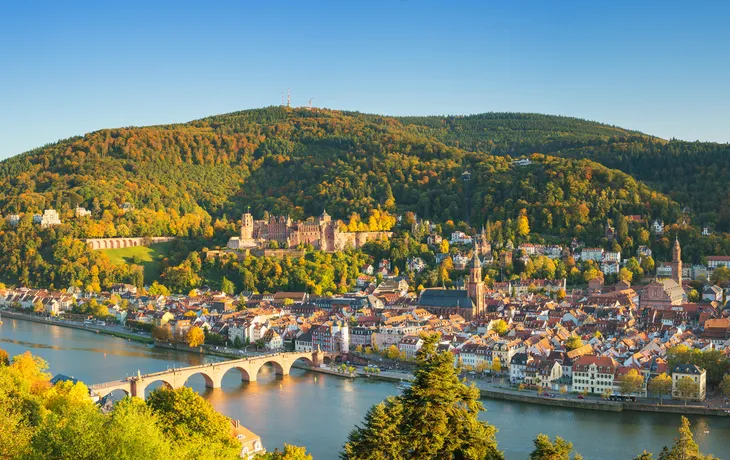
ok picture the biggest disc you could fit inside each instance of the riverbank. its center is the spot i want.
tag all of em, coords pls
(600, 405)
(490, 393)
(73, 325)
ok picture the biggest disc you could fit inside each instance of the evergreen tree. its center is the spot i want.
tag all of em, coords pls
(379, 439)
(227, 286)
(685, 447)
(548, 450)
(435, 418)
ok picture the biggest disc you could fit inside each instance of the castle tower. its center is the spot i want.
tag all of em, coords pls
(247, 226)
(324, 217)
(677, 262)
(475, 285)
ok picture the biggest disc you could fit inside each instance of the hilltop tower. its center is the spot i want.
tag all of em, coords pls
(324, 217)
(475, 285)
(677, 262)
(247, 226)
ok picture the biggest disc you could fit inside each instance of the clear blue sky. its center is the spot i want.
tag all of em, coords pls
(67, 68)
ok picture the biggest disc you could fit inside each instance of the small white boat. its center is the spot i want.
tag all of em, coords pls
(404, 386)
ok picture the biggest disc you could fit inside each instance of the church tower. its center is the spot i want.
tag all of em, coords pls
(475, 286)
(677, 262)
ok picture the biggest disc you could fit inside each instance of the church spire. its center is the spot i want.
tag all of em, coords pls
(475, 262)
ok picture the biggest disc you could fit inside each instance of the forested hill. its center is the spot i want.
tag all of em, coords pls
(299, 161)
(694, 174)
(520, 133)
(194, 180)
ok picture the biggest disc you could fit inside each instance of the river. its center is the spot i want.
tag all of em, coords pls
(318, 411)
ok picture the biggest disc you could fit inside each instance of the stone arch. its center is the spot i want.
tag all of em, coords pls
(210, 382)
(103, 393)
(327, 360)
(141, 392)
(303, 360)
(116, 244)
(117, 390)
(245, 376)
(278, 368)
(130, 243)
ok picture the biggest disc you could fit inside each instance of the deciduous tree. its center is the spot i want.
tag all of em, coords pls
(631, 382)
(195, 337)
(660, 385)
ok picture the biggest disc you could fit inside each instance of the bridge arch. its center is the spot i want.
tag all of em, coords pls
(306, 360)
(117, 394)
(142, 392)
(278, 367)
(210, 381)
(245, 375)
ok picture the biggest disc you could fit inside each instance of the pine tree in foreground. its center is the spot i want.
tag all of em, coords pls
(435, 418)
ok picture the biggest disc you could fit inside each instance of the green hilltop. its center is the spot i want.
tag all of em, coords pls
(193, 180)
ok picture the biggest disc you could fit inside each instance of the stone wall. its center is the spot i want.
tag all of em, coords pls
(358, 239)
(115, 243)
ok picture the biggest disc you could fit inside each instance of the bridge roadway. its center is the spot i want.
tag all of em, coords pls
(213, 373)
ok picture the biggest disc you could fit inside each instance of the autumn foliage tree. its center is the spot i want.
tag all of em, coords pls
(195, 337)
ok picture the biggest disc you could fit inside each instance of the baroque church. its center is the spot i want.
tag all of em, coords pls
(664, 293)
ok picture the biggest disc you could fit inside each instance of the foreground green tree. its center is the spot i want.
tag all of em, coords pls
(435, 418)
(192, 422)
(685, 447)
(548, 450)
(289, 453)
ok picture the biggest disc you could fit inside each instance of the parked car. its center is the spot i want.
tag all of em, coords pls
(581, 397)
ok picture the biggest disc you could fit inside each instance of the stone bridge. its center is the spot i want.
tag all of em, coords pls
(113, 243)
(213, 373)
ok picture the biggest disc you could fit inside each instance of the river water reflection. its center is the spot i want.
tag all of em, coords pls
(318, 411)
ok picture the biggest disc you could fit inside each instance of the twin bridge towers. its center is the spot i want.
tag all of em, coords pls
(213, 373)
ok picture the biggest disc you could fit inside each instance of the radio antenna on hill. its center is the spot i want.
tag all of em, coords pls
(310, 104)
(288, 97)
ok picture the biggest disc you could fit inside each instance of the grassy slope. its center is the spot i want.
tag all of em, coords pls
(150, 258)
